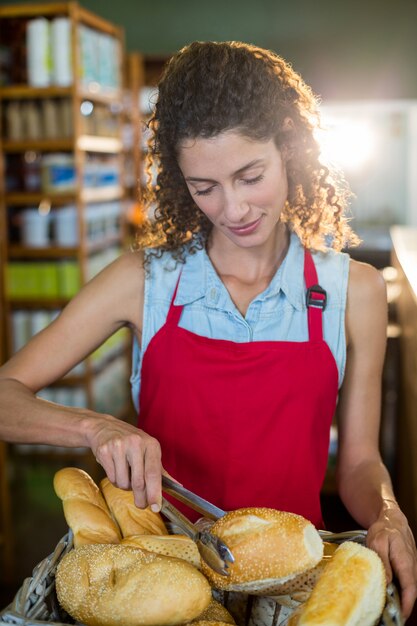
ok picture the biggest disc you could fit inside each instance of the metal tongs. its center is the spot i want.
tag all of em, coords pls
(212, 549)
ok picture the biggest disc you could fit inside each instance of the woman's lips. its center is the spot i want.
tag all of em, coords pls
(247, 229)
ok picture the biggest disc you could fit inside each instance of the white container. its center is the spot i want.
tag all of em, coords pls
(38, 321)
(66, 226)
(61, 51)
(38, 52)
(35, 228)
(21, 332)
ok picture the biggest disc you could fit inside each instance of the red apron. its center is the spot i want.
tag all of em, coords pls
(243, 424)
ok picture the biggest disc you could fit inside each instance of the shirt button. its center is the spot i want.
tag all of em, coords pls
(213, 293)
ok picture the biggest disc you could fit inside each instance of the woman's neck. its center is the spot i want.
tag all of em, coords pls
(249, 265)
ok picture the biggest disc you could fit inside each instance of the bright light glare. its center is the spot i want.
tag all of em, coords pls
(347, 144)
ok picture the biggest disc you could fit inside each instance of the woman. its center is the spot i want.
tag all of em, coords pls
(250, 320)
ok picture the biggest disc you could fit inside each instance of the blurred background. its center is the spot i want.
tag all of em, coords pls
(77, 83)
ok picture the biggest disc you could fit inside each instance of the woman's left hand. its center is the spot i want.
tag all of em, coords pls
(391, 537)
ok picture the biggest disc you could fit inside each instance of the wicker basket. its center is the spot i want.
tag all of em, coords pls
(36, 602)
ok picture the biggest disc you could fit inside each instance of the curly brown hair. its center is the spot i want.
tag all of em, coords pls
(211, 87)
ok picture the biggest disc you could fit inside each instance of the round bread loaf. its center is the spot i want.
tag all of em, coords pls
(116, 585)
(269, 547)
(85, 510)
(179, 546)
(131, 519)
(215, 612)
(350, 592)
(207, 622)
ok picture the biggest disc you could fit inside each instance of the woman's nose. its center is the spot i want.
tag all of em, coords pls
(235, 206)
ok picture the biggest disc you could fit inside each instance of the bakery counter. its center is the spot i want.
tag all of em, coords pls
(404, 259)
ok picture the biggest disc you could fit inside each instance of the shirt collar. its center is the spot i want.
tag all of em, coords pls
(199, 279)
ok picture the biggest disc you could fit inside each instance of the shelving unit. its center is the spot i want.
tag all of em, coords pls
(87, 153)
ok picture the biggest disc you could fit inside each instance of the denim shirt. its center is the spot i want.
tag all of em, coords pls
(279, 313)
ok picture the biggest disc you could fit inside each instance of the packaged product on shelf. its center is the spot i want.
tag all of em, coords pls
(38, 321)
(58, 173)
(21, 330)
(31, 169)
(65, 117)
(61, 51)
(50, 119)
(32, 279)
(14, 121)
(109, 62)
(38, 52)
(32, 120)
(35, 228)
(66, 226)
(87, 43)
(69, 278)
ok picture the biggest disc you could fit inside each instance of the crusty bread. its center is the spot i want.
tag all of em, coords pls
(179, 546)
(300, 586)
(84, 507)
(131, 519)
(350, 592)
(269, 548)
(209, 622)
(116, 585)
(215, 612)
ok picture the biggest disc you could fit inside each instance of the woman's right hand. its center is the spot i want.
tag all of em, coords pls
(130, 457)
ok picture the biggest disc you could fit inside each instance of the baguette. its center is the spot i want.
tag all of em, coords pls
(131, 519)
(270, 547)
(178, 546)
(116, 585)
(350, 592)
(85, 510)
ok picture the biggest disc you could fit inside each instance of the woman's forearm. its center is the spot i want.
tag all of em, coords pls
(24, 418)
(366, 490)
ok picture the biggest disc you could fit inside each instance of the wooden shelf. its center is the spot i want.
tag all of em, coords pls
(38, 145)
(96, 94)
(14, 92)
(22, 198)
(38, 303)
(18, 251)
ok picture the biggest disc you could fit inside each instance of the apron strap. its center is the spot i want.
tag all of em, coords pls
(316, 299)
(174, 312)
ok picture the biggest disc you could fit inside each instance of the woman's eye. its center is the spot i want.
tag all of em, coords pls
(203, 192)
(253, 181)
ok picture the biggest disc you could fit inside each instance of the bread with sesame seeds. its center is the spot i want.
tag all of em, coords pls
(85, 510)
(270, 547)
(117, 585)
(350, 592)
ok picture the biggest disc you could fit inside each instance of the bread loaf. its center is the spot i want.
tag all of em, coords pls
(131, 519)
(350, 592)
(179, 546)
(84, 507)
(269, 548)
(300, 586)
(116, 585)
(215, 612)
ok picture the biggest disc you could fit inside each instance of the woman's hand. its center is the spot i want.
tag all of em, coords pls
(390, 536)
(130, 457)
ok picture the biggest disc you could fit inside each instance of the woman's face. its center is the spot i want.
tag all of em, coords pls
(240, 184)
